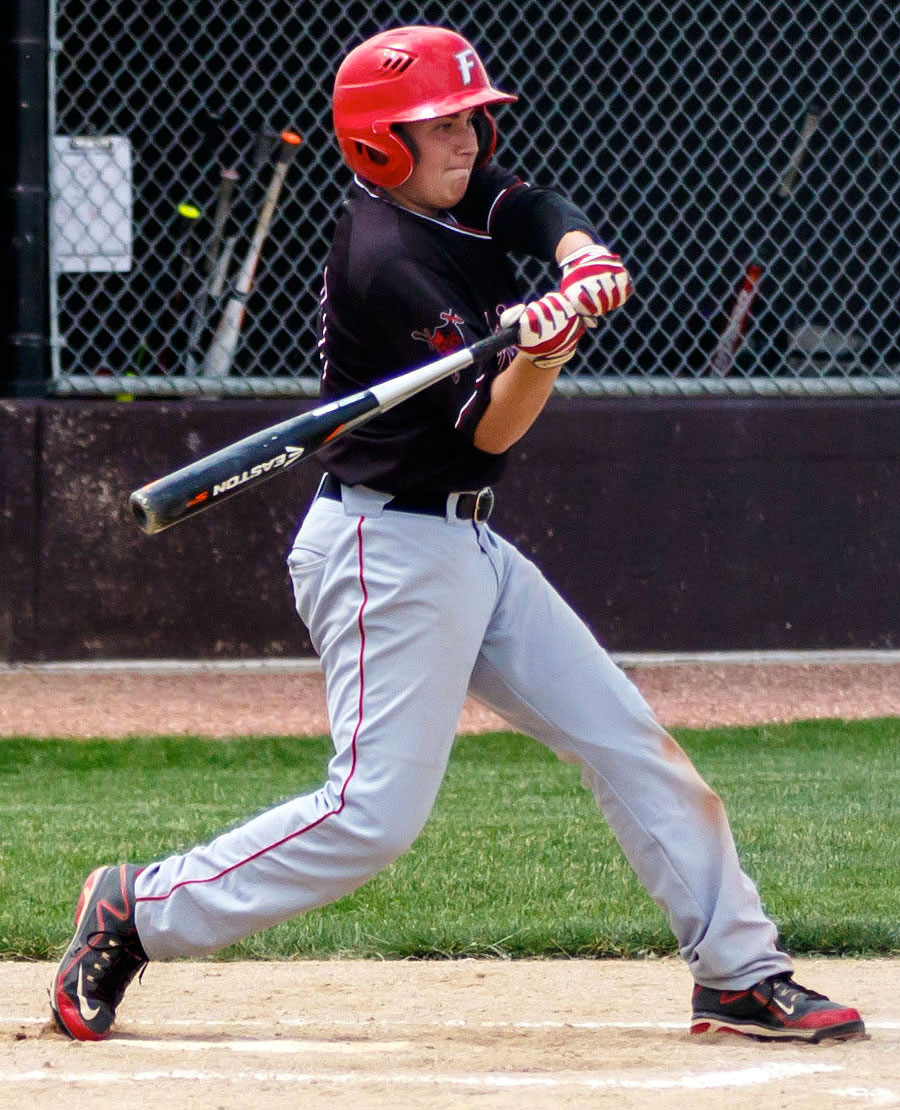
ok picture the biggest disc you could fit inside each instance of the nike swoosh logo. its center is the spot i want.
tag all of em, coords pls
(788, 1005)
(87, 1012)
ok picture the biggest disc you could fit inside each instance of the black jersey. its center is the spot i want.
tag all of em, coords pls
(402, 289)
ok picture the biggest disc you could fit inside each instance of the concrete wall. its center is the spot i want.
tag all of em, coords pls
(670, 525)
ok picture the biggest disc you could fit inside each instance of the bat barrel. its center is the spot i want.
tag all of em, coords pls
(213, 478)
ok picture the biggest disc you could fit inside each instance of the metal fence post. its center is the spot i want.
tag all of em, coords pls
(23, 373)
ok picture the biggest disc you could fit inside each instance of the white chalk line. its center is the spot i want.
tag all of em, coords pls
(365, 1023)
(370, 1023)
(264, 1048)
(874, 1096)
(743, 1077)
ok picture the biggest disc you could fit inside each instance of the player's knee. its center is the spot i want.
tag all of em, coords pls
(385, 837)
(393, 838)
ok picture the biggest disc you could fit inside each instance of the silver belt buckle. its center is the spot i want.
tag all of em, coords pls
(484, 505)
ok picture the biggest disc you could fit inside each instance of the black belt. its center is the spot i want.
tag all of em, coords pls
(474, 505)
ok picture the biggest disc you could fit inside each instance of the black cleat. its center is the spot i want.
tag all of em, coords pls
(776, 1008)
(103, 957)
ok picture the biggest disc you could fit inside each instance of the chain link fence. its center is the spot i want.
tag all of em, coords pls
(671, 124)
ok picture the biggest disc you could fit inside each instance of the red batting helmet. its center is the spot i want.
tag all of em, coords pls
(398, 76)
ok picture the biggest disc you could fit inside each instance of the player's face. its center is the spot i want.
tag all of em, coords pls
(446, 149)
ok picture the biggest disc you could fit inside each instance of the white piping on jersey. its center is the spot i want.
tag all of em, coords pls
(323, 298)
(449, 222)
(462, 411)
(501, 195)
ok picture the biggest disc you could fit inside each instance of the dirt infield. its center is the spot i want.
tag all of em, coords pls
(504, 1035)
(427, 1036)
(36, 701)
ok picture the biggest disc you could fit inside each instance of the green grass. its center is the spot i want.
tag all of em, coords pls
(515, 860)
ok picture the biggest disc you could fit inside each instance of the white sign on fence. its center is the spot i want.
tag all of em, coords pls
(90, 204)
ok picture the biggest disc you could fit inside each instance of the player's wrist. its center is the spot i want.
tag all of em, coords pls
(594, 280)
(549, 330)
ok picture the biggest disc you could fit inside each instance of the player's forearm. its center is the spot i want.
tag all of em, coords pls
(518, 395)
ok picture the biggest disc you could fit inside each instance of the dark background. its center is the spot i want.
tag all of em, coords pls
(670, 124)
(669, 525)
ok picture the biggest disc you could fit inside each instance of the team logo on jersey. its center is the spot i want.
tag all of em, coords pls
(446, 337)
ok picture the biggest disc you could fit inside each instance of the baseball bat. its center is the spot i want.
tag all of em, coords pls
(266, 141)
(228, 178)
(217, 285)
(241, 465)
(218, 259)
(732, 335)
(171, 320)
(221, 352)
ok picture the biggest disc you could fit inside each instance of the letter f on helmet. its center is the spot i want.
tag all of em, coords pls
(409, 73)
(466, 60)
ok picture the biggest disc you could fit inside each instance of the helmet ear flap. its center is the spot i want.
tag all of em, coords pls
(486, 130)
(393, 159)
(386, 161)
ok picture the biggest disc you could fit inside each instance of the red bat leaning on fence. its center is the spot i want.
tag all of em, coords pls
(732, 336)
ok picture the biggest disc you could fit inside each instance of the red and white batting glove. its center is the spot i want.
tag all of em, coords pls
(549, 330)
(594, 281)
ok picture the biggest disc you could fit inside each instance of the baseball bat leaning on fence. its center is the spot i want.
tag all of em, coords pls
(220, 249)
(732, 336)
(210, 480)
(228, 178)
(224, 343)
(171, 320)
(265, 143)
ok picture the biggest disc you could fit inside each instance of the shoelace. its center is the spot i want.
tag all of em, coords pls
(119, 961)
(789, 982)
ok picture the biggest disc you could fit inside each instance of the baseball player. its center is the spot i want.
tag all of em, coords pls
(412, 600)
